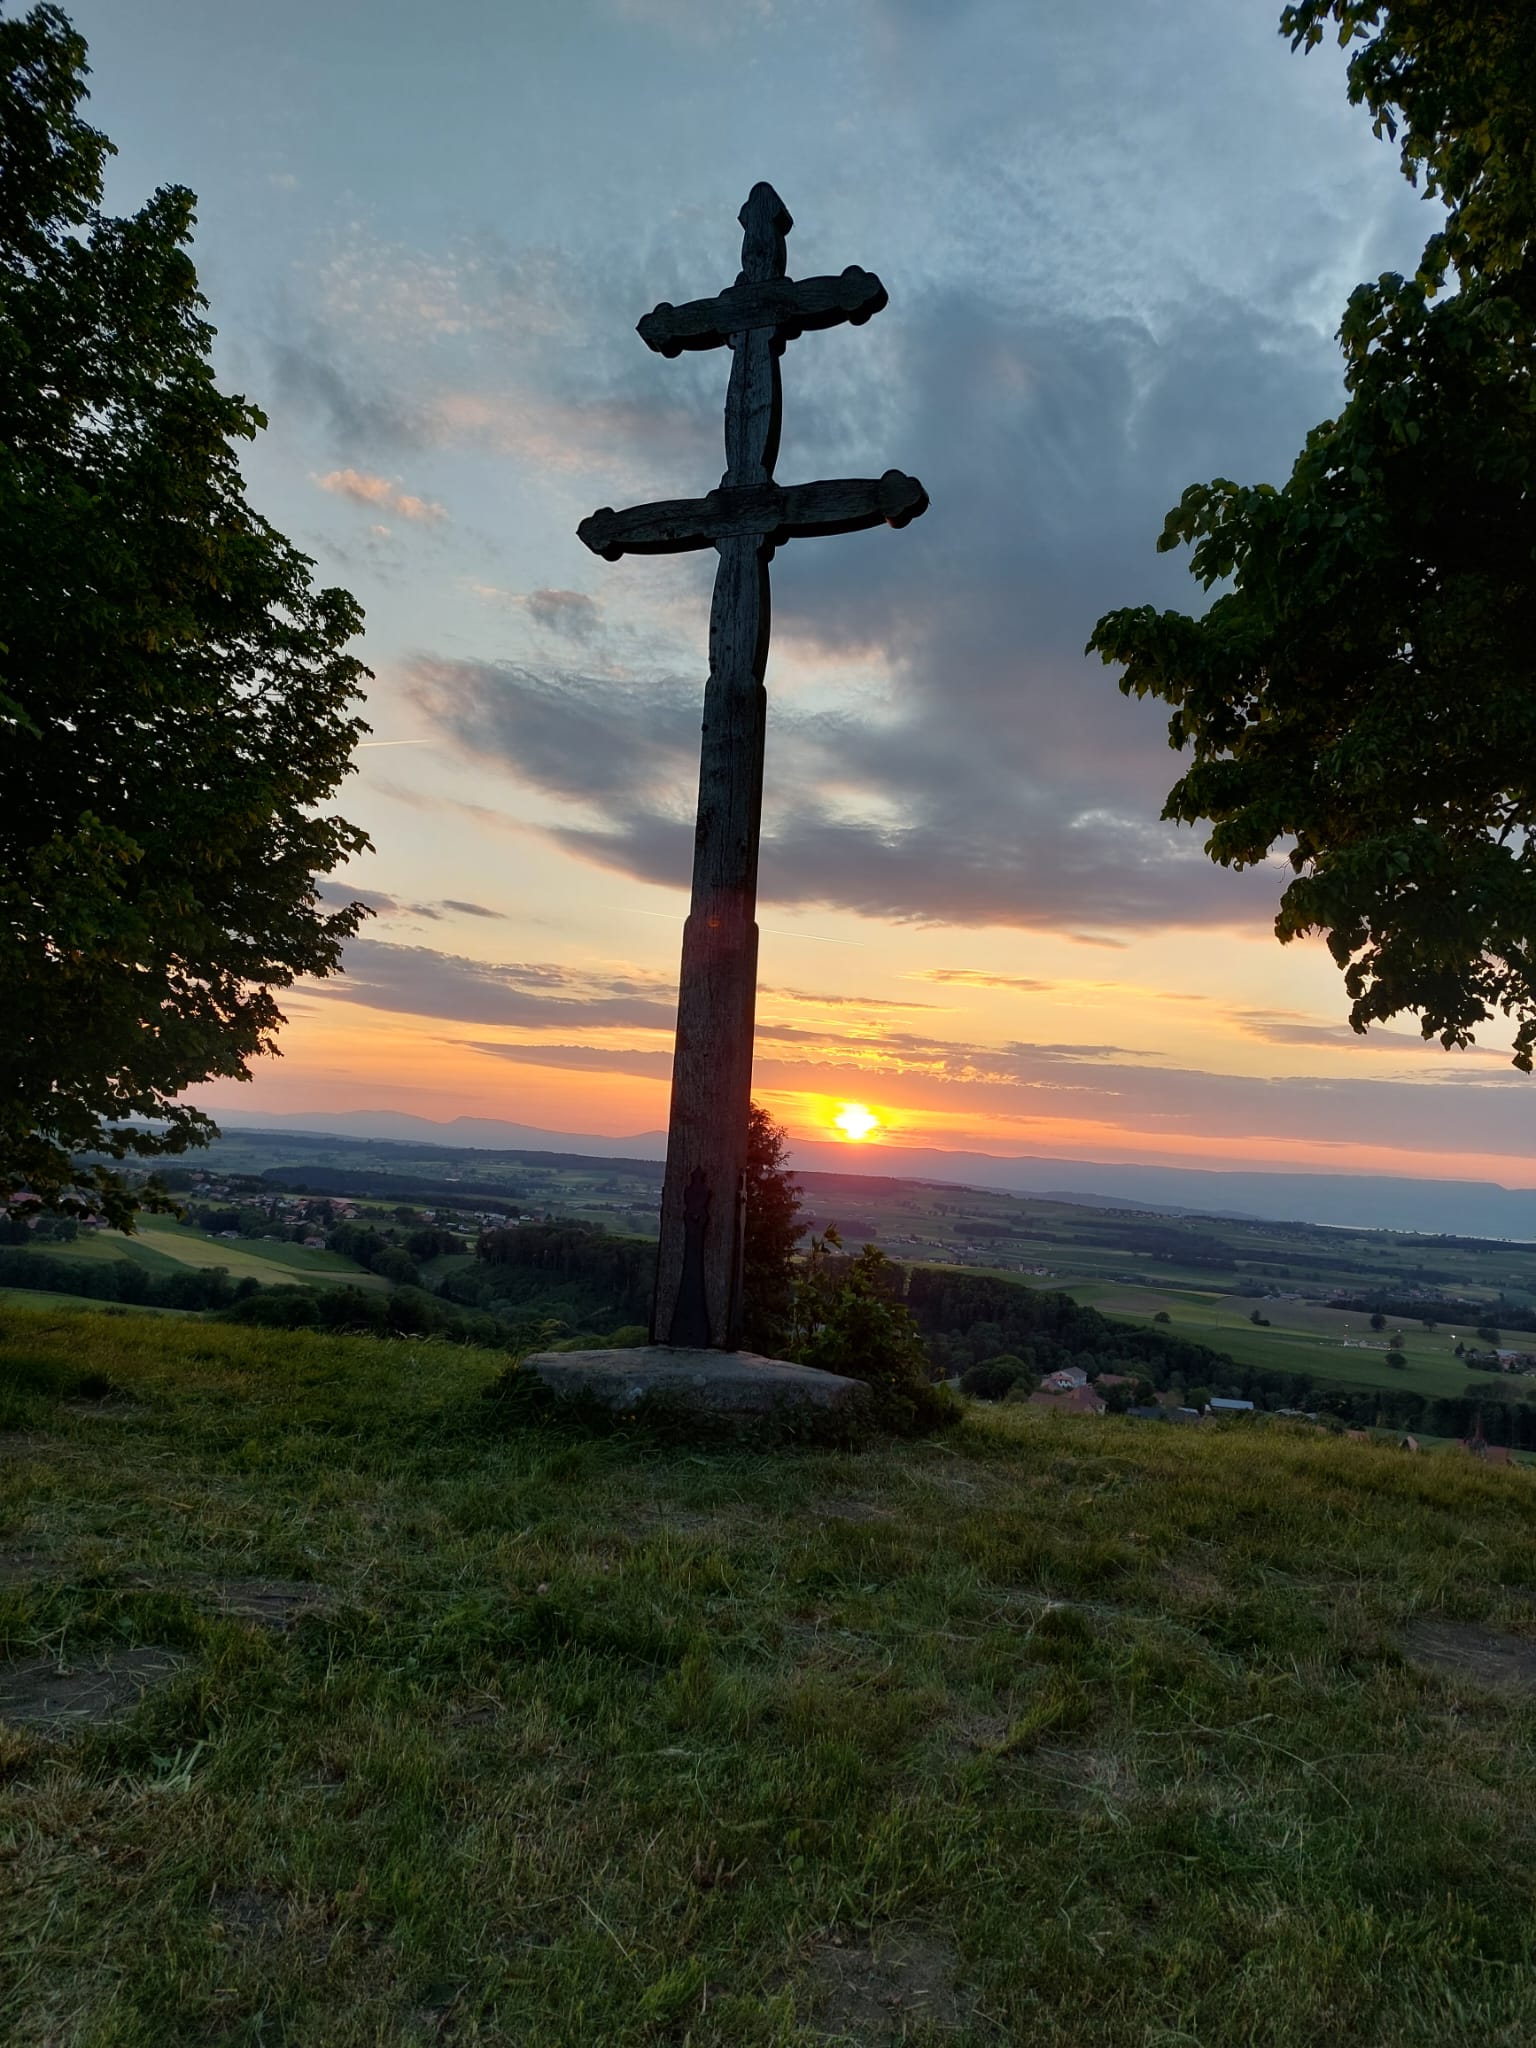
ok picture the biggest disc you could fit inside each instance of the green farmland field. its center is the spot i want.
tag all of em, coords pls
(1335, 1347)
(33, 1297)
(160, 1244)
(112, 1247)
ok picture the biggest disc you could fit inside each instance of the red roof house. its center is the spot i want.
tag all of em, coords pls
(1079, 1401)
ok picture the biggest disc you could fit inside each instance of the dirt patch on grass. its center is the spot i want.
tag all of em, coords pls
(850, 1511)
(1484, 1654)
(271, 1603)
(247, 1917)
(38, 1692)
(810, 1642)
(895, 1987)
(655, 1518)
(967, 1487)
(257, 1927)
(16, 1444)
(1193, 1587)
(1086, 1778)
(964, 1735)
(17, 1566)
(477, 1713)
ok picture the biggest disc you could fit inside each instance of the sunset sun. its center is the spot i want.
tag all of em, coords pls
(855, 1122)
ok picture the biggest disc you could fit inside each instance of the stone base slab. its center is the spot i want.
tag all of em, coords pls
(708, 1382)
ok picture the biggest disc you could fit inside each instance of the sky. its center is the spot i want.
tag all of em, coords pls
(1117, 237)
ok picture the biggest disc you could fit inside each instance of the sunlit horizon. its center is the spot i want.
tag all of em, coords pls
(856, 1122)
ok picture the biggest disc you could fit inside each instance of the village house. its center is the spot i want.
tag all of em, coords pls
(1078, 1400)
(1063, 1382)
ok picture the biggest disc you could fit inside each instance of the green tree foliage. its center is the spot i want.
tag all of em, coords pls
(771, 1232)
(174, 693)
(431, 1241)
(852, 1320)
(573, 1271)
(395, 1265)
(990, 1378)
(1360, 695)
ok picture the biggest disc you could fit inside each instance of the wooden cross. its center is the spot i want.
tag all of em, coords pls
(698, 1273)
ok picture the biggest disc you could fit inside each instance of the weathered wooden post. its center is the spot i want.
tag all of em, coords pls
(698, 1273)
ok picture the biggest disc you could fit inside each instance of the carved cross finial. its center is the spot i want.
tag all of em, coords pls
(765, 221)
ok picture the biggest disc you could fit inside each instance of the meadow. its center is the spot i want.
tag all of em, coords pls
(36, 1297)
(160, 1244)
(1338, 1347)
(341, 1706)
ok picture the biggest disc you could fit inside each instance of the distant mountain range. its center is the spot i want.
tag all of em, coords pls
(463, 1134)
(1461, 1208)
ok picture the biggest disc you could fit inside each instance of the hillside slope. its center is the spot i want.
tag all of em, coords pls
(384, 1717)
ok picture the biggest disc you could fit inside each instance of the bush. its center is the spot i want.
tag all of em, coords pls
(395, 1266)
(993, 1377)
(850, 1320)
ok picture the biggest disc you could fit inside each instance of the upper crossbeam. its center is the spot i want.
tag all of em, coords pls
(777, 512)
(791, 307)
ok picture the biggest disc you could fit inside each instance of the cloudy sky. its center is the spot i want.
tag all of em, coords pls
(1116, 236)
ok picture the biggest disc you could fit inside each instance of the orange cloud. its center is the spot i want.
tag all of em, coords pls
(363, 489)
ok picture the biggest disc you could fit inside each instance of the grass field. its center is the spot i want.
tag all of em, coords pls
(434, 1270)
(1337, 1348)
(96, 1246)
(384, 1719)
(34, 1297)
(161, 1245)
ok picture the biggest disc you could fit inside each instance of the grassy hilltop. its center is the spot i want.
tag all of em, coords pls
(387, 1718)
